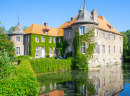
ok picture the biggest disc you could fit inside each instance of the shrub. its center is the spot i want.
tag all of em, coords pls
(69, 54)
(50, 65)
(24, 57)
(80, 63)
(22, 83)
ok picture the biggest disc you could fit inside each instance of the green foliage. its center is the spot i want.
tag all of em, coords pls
(88, 38)
(34, 44)
(77, 44)
(81, 63)
(6, 66)
(65, 45)
(60, 45)
(126, 44)
(69, 54)
(10, 30)
(50, 65)
(2, 29)
(22, 83)
(23, 57)
(25, 27)
(6, 44)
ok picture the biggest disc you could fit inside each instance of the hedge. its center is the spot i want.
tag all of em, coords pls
(50, 65)
(23, 82)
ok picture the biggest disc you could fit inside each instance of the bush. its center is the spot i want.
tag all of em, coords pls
(69, 54)
(22, 83)
(50, 65)
(80, 63)
(24, 57)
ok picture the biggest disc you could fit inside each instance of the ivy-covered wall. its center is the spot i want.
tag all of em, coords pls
(59, 45)
(33, 44)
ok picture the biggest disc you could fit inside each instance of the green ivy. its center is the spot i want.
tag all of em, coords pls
(34, 44)
(60, 45)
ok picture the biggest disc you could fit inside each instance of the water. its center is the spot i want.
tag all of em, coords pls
(106, 81)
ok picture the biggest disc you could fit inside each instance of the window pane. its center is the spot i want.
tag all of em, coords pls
(17, 39)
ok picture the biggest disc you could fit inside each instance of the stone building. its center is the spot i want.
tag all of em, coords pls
(108, 41)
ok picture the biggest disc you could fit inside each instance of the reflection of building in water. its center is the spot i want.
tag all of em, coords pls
(108, 81)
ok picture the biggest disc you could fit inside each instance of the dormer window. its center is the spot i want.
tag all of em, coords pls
(46, 32)
(36, 39)
(82, 30)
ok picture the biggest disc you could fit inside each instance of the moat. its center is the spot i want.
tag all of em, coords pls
(105, 81)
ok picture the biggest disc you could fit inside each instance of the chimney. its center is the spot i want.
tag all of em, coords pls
(46, 24)
(71, 18)
(94, 15)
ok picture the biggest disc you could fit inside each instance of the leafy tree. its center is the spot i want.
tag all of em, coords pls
(2, 29)
(6, 44)
(10, 30)
(25, 27)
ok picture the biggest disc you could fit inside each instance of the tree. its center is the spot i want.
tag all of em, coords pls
(2, 29)
(25, 27)
(6, 44)
(10, 30)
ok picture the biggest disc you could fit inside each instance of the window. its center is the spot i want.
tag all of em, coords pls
(46, 32)
(109, 79)
(103, 35)
(82, 30)
(36, 39)
(59, 40)
(109, 49)
(54, 39)
(28, 38)
(96, 88)
(27, 50)
(43, 39)
(108, 91)
(96, 31)
(50, 40)
(68, 34)
(103, 81)
(114, 49)
(50, 50)
(103, 93)
(114, 89)
(99, 83)
(120, 49)
(68, 49)
(120, 39)
(17, 50)
(17, 39)
(114, 37)
(82, 47)
(108, 36)
(103, 48)
(37, 51)
(98, 49)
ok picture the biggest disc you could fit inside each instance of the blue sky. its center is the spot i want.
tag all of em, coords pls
(56, 12)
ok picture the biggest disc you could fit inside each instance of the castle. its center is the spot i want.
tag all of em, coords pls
(39, 41)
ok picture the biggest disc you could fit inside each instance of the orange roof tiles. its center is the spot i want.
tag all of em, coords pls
(38, 29)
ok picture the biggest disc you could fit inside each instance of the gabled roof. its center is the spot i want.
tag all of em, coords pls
(38, 29)
(102, 24)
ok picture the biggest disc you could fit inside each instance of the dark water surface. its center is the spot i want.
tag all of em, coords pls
(106, 81)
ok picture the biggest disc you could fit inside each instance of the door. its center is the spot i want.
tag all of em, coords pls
(43, 51)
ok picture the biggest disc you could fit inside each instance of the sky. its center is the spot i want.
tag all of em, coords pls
(56, 12)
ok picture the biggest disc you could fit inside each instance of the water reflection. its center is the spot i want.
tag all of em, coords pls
(106, 81)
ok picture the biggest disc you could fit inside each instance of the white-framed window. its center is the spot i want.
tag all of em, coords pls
(59, 40)
(96, 88)
(17, 50)
(82, 30)
(43, 39)
(103, 48)
(50, 50)
(114, 37)
(68, 34)
(96, 49)
(46, 32)
(120, 39)
(108, 91)
(96, 33)
(108, 36)
(37, 51)
(36, 39)
(17, 39)
(83, 48)
(27, 50)
(114, 89)
(103, 93)
(50, 40)
(28, 38)
(103, 81)
(103, 35)
(54, 39)
(114, 49)
(109, 49)
(109, 79)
